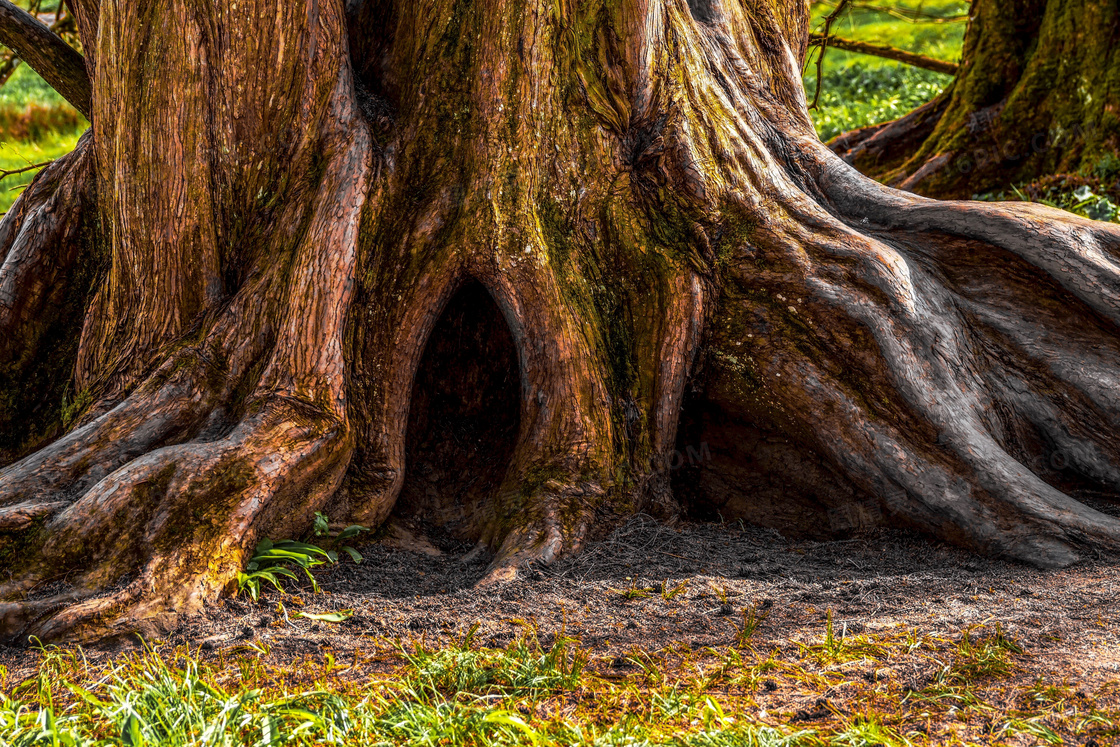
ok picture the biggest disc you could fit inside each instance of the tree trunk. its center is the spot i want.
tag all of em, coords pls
(1037, 93)
(471, 255)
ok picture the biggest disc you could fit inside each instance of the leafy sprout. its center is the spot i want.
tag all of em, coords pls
(273, 561)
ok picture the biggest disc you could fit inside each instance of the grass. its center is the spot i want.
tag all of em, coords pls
(36, 125)
(529, 693)
(859, 90)
(17, 154)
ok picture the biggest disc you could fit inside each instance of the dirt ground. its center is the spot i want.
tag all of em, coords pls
(1067, 622)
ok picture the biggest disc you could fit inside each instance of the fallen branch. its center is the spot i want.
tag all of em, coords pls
(5, 173)
(47, 54)
(881, 50)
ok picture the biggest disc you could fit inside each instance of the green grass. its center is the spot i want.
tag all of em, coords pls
(26, 87)
(17, 154)
(36, 125)
(463, 695)
(859, 90)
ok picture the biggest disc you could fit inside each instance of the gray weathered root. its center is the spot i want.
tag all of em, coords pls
(941, 355)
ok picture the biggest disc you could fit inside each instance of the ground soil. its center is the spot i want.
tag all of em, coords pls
(877, 582)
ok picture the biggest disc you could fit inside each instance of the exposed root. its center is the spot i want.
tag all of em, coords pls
(156, 490)
(927, 366)
(23, 515)
(554, 522)
(199, 508)
(58, 616)
(172, 406)
(880, 150)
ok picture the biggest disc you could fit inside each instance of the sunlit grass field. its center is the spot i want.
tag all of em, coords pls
(859, 89)
(36, 125)
(461, 694)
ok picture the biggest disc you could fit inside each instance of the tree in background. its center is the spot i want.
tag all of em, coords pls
(59, 20)
(1037, 94)
(297, 227)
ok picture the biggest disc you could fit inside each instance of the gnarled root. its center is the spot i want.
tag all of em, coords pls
(881, 150)
(199, 506)
(936, 353)
(150, 509)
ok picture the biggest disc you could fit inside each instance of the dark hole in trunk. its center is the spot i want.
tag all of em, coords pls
(463, 420)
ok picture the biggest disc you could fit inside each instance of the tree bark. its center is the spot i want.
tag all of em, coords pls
(1037, 94)
(324, 224)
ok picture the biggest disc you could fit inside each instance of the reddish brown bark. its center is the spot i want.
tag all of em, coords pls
(305, 211)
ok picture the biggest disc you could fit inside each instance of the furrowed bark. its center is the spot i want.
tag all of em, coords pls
(47, 54)
(50, 262)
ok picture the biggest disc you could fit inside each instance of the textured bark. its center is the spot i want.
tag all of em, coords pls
(50, 262)
(1037, 93)
(462, 261)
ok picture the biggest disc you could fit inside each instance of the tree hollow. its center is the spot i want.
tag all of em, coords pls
(463, 418)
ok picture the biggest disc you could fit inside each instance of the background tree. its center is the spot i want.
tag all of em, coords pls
(281, 205)
(1037, 93)
(59, 21)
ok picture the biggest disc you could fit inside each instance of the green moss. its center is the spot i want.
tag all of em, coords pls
(72, 409)
(202, 513)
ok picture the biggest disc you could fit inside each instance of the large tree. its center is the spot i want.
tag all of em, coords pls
(1037, 93)
(303, 240)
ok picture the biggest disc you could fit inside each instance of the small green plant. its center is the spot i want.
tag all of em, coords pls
(988, 657)
(273, 561)
(668, 593)
(753, 617)
(321, 528)
(721, 594)
(633, 591)
(841, 648)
